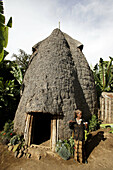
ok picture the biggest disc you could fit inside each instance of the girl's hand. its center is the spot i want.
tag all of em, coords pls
(86, 124)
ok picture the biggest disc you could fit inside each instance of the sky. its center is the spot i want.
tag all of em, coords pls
(88, 21)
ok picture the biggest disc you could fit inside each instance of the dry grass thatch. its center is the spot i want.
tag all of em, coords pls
(57, 81)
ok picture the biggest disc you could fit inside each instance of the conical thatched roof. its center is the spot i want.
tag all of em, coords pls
(57, 81)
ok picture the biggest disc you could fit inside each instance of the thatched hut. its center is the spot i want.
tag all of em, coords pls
(57, 81)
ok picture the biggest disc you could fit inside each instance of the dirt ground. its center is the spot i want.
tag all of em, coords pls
(99, 155)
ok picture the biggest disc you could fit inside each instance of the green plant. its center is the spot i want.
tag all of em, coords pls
(10, 85)
(64, 153)
(15, 139)
(3, 31)
(72, 144)
(22, 60)
(93, 123)
(86, 134)
(18, 141)
(17, 73)
(58, 145)
(68, 144)
(111, 131)
(107, 126)
(103, 75)
(7, 90)
(8, 131)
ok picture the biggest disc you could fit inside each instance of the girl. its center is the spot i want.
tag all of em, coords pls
(78, 126)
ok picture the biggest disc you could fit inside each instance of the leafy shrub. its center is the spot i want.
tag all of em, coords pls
(8, 131)
(111, 131)
(18, 139)
(67, 145)
(64, 153)
(72, 144)
(93, 123)
(15, 140)
(59, 145)
(86, 134)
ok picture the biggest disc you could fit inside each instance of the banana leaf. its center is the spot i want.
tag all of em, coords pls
(9, 24)
(3, 31)
(102, 72)
(1, 7)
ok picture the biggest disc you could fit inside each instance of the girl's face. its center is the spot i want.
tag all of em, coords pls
(79, 115)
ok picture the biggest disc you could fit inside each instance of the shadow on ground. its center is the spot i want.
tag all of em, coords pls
(93, 141)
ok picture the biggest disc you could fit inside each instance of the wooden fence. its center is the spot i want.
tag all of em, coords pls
(106, 107)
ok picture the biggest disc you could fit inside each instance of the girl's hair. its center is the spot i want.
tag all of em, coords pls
(77, 112)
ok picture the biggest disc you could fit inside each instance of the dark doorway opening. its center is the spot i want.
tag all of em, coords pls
(41, 130)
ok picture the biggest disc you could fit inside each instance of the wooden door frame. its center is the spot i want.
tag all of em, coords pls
(28, 131)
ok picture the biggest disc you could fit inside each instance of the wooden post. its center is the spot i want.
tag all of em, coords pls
(54, 134)
(100, 111)
(109, 110)
(26, 132)
(51, 134)
(57, 128)
(106, 109)
(102, 108)
(30, 130)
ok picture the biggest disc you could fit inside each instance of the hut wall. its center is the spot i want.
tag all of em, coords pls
(106, 107)
(84, 86)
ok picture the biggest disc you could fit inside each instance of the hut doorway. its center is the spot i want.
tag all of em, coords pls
(41, 131)
(41, 128)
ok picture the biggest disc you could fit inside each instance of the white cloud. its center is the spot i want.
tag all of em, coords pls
(89, 21)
